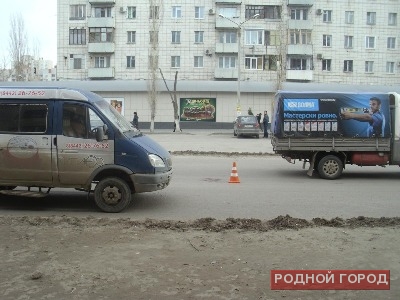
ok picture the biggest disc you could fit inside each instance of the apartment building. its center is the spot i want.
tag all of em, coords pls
(310, 41)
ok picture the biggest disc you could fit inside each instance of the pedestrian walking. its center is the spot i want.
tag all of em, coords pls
(265, 123)
(259, 121)
(135, 121)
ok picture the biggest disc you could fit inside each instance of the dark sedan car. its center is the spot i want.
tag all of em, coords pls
(246, 125)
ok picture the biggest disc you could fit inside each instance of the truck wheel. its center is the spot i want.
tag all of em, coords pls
(112, 195)
(330, 167)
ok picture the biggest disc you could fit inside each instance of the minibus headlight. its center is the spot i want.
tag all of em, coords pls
(156, 161)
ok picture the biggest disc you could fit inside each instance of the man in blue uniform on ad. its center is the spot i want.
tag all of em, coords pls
(374, 117)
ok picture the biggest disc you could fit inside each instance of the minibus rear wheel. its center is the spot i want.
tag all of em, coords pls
(112, 195)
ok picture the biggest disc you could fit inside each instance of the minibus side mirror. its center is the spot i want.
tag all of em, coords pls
(101, 132)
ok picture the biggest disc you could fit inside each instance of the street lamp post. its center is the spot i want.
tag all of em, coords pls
(239, 30)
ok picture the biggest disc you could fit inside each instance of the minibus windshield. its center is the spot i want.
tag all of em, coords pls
(115, 117)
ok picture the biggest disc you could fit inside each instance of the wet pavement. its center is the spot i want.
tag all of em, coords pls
(212, 140)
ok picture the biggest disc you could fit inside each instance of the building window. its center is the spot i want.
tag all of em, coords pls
(199, 12)
(264, 11)
(254, 37)
(371, 18)
(102, 62)
(369, 66)
(199, 37)
(253, 62)
(77, 61)
(271, 62)
(390, 67)
(301, 36)
(228, 12)
(198, 61)
(348, 66)
(131, 37)
(392, 19)
(370, 42)
(349, 17)
(227, 37)
(154, 12)
(102, 12)
(176, 37)
(348, 41)
(326, 64)
(98, 35)
(327, 40)
(176, 12)
(227, 62)
(130, 62)
(77, 36)
(299, 14)
(298, 64)
(175, 61)
(77, 12)
(327, 16)
(131, 12)
(153, 37)
(273, 37)
(391, 43)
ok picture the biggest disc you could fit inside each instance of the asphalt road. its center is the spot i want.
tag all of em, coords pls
(269, 187)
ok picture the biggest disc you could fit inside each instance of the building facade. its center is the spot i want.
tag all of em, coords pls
(310, 41)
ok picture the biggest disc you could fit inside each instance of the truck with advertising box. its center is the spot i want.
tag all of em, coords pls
(69, 138)
(329, 130)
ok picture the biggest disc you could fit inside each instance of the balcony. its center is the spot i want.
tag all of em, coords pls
(101, 47)
(226, 73)
(228, 2)
(226, 47)
(255, 49)
(301, 2)
(101, 22)
(300, 24)
(102, 1)
(98, 73)
(300, 49)
(303, 75)
(226, 23)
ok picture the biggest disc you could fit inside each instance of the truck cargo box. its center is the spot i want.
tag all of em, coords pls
(327, 115)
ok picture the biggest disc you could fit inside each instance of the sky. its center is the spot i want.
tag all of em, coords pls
(40, 18)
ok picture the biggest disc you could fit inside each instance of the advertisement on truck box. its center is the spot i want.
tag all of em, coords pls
(358, 115)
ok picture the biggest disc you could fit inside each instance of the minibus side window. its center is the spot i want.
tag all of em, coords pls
(21, 118)
(79, 121)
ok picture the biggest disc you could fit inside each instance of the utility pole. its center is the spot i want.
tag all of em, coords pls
(239, 59)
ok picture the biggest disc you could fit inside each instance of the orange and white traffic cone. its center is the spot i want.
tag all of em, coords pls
(234, 175)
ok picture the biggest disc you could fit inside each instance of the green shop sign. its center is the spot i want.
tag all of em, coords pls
(198, 109)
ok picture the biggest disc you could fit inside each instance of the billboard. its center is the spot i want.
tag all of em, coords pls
(198, 109)
(363, 115)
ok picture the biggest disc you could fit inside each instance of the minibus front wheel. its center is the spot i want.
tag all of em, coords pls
(112, 195)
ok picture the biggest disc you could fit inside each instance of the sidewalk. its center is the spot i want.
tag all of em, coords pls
(214, 140)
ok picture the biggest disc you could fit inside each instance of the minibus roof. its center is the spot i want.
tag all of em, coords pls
(38, 92)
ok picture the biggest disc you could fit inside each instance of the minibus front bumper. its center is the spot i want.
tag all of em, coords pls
(151, 182)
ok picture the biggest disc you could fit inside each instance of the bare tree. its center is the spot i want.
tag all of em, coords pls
(173, 100)
(155, 22)
(5, 71)
(18, 44)
(279, 39)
